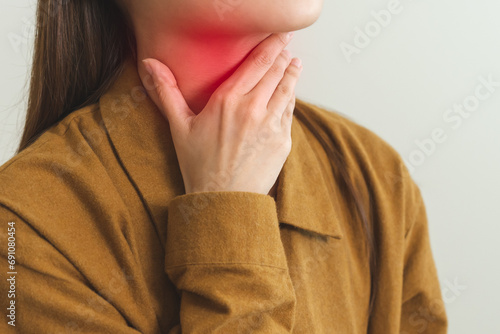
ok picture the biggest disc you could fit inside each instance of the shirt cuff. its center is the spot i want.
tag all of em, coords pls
(222, 228)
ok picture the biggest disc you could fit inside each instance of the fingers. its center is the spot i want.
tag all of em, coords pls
(258, 63)
(286, 120)
(266, 86)
(285, 89)
(171, 101)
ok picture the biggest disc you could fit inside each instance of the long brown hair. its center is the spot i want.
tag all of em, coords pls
(80, 46)
(79, 50)
(364, 207)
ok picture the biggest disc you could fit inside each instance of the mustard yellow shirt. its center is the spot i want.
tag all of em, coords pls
(103, 238)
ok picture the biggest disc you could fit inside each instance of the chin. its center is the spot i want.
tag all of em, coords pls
(304, 21)
(301, 16)
(258, 16)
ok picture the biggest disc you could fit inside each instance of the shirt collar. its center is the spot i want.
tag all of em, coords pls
(307, 195)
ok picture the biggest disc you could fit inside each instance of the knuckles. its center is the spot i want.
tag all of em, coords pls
(283, 39)
(227, 99)
(262, 59)
(284, 90)
(293, 71)
(280, 64)
(276, 69)
(254, 106)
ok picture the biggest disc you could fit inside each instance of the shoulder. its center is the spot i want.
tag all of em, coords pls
(370, 159)
(60, 175)
(62, 142)
(356, 141)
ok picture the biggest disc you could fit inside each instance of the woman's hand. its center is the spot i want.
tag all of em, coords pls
(241, 139)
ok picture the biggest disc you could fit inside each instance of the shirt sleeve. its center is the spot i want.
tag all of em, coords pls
(41, 290)
(423, 309)
(225, 256)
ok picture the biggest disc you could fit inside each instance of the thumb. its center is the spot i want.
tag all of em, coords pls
(172, 102)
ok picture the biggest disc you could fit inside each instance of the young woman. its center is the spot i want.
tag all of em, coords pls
(193, 193)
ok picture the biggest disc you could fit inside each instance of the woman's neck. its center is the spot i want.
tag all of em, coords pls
(199, 63)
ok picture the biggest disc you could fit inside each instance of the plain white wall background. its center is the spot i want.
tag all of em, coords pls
(429, 59)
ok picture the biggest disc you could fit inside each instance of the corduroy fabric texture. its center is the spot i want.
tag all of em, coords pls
(107, 241)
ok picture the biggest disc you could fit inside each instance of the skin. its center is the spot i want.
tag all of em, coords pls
(220, 60)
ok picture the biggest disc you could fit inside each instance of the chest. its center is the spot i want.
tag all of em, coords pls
(330, 277)
(331, 280)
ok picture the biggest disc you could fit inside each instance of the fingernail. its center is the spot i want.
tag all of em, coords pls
(289, 35)
(159, 75)
(148, 81)
(297, 62)
(147, 66)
